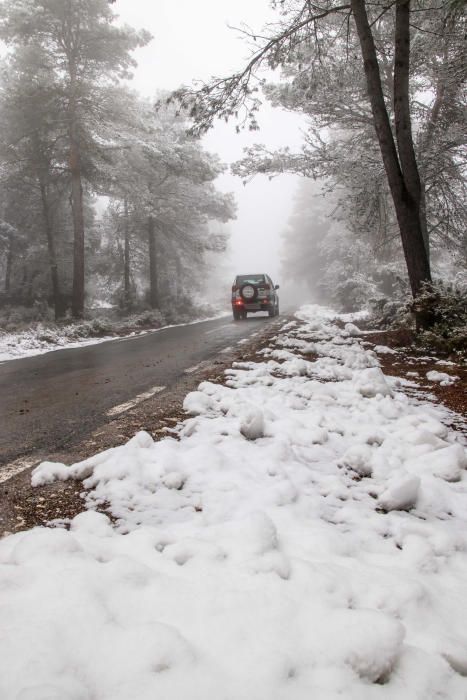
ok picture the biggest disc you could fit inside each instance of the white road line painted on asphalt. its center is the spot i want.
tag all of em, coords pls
(215, 330)
(126, 338)
(200, 365)
(121, 408)
(15, 468)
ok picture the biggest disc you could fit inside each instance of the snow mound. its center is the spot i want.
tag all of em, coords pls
(447, 463)
(441, 378)
(368, 641)
(196, 403)
(246, 557)
(352, 330)
(252, 423)
(384, 350)
(371, 382)
(358, 458)
(401, 493)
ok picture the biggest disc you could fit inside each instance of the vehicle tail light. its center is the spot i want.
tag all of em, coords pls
(267, 287)
(234, 288)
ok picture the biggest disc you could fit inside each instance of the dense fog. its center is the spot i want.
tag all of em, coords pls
(114, 197)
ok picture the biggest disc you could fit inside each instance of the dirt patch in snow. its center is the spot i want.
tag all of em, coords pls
(412, 364)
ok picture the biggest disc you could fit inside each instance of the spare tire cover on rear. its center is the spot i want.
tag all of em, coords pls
(248, 292)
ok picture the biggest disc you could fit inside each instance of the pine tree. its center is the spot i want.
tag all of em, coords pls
(85, 53)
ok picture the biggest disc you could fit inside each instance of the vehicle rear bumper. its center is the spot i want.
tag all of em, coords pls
(256, 306)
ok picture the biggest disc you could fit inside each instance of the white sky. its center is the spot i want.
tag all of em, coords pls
(192, 40)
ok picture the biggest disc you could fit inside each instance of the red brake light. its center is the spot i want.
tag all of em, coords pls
(267, 287)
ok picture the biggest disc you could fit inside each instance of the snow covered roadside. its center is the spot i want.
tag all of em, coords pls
(28, 343)
(302, 536)
(39, 341)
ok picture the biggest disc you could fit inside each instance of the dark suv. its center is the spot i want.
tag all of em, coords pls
(254, 293)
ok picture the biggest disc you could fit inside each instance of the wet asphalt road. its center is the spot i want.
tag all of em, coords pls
(50, 399)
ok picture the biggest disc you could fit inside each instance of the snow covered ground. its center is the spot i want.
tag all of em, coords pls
(40, 340)
(302, 535)
(32, 342)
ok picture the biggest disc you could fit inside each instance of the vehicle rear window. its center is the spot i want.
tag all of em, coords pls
(250, 279)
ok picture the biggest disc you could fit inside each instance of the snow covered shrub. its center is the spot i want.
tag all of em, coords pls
(390, 313)
(440, 339)
(14, 318)
(47, 334)
(149, 317)
(448, 305)
(184, 310)
(100, 326)
(89, 329)
(352, 293)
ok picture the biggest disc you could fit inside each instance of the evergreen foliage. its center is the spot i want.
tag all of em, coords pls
(74, 140)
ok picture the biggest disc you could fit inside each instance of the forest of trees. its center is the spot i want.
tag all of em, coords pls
(102, 197)
(361, 258)
(382, 87)
(335, 261)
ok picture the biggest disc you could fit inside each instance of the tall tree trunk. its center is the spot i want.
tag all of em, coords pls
(153, 282)
(423, 220)
(74, 162)
(77, 302)
(402, 117)
(9, 264)
(59, 308)
(178, 278)
(401, 174)
(403, 122)
(126, 257)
